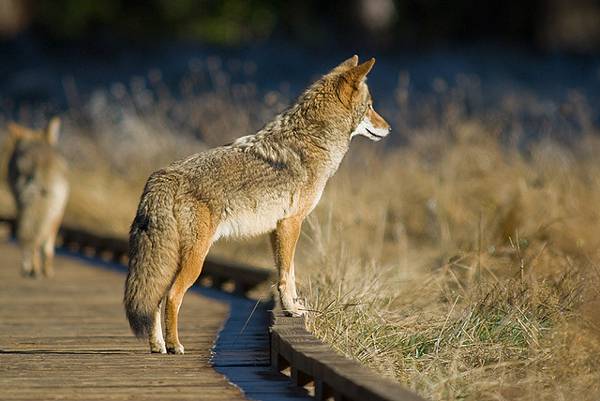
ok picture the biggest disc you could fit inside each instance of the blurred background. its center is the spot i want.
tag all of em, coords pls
(50, 49)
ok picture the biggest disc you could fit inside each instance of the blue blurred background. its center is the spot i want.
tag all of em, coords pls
(56, 53)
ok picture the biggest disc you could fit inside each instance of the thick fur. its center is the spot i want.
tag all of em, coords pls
(266, 182)
(37, 176)
(153, 252)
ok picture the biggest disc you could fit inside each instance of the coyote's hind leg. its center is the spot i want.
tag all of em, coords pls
(156, 339)
(193, 251)
(191, 266)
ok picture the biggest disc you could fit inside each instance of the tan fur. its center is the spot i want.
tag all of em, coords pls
(284, 240)
(37, 178)
(266, 182)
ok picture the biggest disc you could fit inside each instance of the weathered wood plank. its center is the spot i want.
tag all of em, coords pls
(67, 338)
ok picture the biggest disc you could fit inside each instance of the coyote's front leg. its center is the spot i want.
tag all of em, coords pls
(31, 260)
(284, 240)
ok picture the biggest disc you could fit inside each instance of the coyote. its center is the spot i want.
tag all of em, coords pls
(37, 176)
(266, 182)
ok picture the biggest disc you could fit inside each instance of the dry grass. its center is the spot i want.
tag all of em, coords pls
(463, 263)
(472, 274)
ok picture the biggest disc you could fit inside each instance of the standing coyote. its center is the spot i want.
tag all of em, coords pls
(266, 182)
(37, 176)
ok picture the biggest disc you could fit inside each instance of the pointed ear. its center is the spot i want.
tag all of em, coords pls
(346, 64)
(350, 80)
(359, 73)
(52, 131)
(16, 131)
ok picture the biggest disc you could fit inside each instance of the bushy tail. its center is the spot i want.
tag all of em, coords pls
(153, 253)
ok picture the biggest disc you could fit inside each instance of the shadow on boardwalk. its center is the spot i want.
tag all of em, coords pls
(241, 351)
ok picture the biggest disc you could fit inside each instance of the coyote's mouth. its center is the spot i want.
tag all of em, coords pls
(374, 134)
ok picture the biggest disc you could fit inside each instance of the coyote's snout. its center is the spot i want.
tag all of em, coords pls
(37, 176)
(266, 182)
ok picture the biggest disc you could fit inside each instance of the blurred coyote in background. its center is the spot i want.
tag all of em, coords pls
(266, 182)
(37, 176)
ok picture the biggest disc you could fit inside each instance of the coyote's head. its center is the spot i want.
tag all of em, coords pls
(352, 100)
(48, 135)
(20, 136)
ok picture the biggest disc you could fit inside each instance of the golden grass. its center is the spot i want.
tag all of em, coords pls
(462, 268)
(458, 264)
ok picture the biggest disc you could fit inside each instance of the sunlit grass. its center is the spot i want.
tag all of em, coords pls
(464, 276)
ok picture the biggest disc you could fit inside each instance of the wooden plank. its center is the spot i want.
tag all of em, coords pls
(67, 338)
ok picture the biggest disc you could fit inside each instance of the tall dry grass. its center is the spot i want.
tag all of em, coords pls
(462, 263)
(462, 268)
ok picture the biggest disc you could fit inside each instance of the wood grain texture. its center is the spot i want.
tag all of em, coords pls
(67, 338)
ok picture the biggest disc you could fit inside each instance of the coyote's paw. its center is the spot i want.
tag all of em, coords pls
(175, 349)
(158, 348)
(294, 312)
(294, 308)
(48, 273)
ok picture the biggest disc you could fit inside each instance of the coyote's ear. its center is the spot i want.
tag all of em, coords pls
(359, 73)
(52, 131)
(15, 130)
(351, 80)
(346, 64)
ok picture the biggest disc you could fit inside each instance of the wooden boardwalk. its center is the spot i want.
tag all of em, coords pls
(67, 338)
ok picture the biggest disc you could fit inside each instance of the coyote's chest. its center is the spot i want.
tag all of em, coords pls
(245, 220)
(242, 223)
(248, 221)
